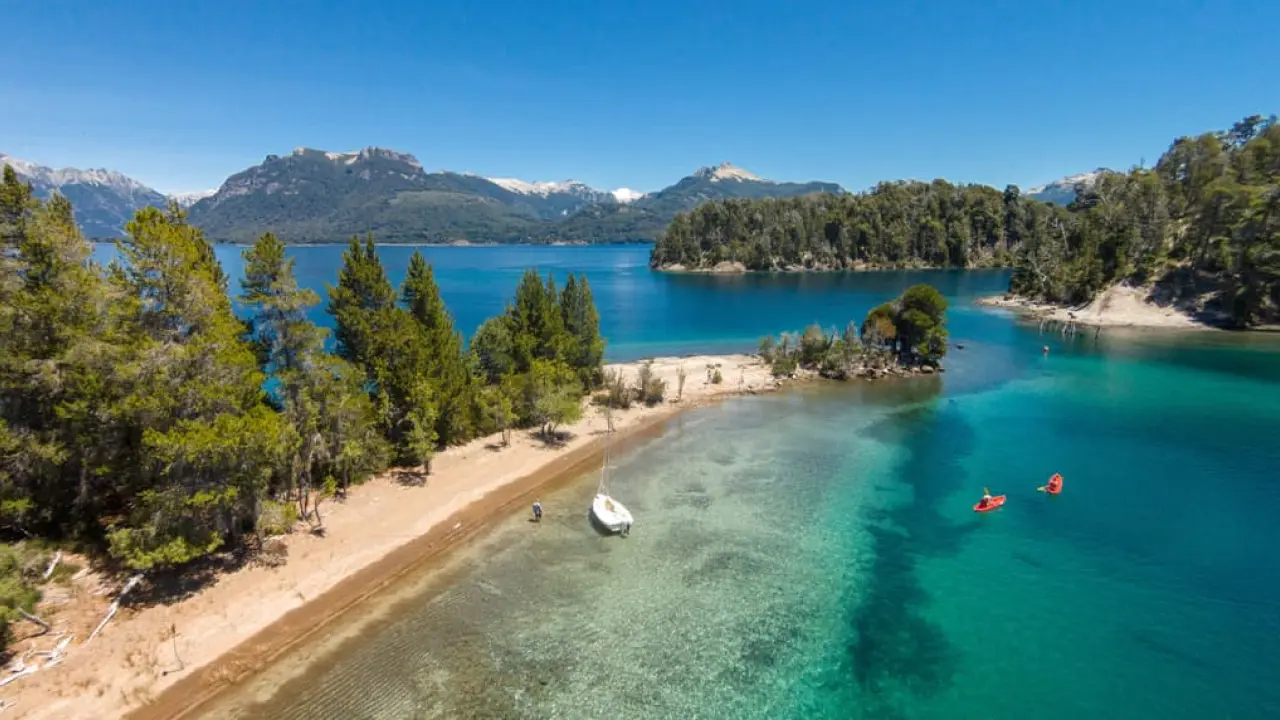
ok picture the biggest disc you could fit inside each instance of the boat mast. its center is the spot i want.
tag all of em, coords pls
(604, 466)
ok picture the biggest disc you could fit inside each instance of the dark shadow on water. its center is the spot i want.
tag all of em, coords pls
(895, 646)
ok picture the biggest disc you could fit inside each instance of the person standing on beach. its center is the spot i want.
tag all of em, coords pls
(537, 511)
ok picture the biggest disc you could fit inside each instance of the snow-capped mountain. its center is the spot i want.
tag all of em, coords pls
(1063, 191)
(104, 200)
(626, 195)
(727, 171)
(187, 199)
(568, 187)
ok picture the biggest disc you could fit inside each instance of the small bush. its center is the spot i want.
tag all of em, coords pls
(784, 365)
(277, 518)
(768, 347)
(616, 390)
(649, 387)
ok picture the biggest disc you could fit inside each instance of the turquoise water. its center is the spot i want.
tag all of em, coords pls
(813, 554)
(642, 313)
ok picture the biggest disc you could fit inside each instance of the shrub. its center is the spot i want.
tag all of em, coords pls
(768, 346)
(813, 345)
(649, 387)
(276, 518)
(617, 394)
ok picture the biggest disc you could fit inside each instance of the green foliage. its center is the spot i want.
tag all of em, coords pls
(493, 350)
(814, 344)
(500, 411)
(584, 348)
(15, 592)
(618, 394)
(550, 396)
(650, 388)
(445, 364)
(140, 417)
(1204, 221)
(901, 224)
(276, 518)
(910, 329)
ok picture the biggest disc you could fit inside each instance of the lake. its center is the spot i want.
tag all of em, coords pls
(814, 554)
(642, 313)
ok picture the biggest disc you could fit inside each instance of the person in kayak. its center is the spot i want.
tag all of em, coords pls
(1054, 487)
(986, 498)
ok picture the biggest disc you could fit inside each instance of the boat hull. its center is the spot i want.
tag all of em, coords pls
(610, 514)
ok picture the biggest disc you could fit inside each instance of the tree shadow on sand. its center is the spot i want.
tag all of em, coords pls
(554, 440)
(410, 477)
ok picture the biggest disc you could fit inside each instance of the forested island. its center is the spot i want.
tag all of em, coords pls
(145, 423)
(897, 224)
(1199, 232)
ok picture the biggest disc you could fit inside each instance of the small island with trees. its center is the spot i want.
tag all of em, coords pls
(907, 335)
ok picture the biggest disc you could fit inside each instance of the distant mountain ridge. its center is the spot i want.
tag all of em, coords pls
(104, 200)
(318, 196)
(1063, 191)
(314, 195)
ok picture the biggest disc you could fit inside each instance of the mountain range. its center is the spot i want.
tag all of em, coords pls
(318, 196)
(104, 200)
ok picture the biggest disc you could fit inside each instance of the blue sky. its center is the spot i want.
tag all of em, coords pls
(181, 94)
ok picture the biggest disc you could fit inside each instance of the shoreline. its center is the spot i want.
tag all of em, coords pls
(738, 268)
(1120, 306)
(245, 618)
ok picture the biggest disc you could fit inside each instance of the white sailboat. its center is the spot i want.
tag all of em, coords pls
(607, 512)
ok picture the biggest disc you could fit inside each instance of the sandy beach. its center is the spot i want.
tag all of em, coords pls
(1118, 306)
(158, 660)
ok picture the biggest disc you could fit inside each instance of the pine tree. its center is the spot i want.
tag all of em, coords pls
(535, 322)
(585, 346)
(445, 364)
(333, 439)
(358, 302)
(199, 445)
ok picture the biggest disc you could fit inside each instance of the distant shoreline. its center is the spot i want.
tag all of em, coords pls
(737, 268)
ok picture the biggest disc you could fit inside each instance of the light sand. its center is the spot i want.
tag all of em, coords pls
(1118, 306)
(244, 618)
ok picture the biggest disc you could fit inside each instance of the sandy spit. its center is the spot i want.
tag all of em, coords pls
(245, 618)
(1117, 306)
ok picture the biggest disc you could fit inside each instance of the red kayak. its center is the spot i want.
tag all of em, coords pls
(1053, 489)
(996, 502)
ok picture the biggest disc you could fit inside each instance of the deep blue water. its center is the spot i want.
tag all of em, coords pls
(813, 554)
(642, 313)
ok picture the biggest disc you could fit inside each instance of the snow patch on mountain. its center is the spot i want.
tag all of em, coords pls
(626, 195)
(187, 199)
(55, 178)
(538, 187)
(1070, 181)
(727, 171)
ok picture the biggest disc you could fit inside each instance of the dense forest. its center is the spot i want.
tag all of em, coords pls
(898, 224)
(1203, 225)
(1202, 228)
(146, 423)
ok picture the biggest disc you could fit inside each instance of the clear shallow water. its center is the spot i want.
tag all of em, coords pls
(642, 313)
(813, 554)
